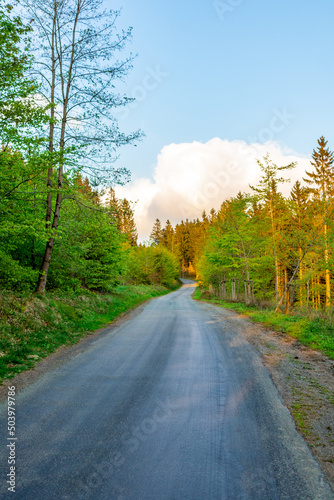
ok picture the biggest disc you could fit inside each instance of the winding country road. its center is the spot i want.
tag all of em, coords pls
(170, 405)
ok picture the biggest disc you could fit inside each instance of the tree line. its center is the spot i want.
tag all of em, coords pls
(281, 247)
(61, 225)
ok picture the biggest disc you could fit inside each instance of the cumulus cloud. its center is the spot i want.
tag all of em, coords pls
(192, 177)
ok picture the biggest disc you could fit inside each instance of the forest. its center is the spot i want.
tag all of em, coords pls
(69, 260)
(262, 247)
(61, 225)
(69, 250)
(190, 364)
(267, 255)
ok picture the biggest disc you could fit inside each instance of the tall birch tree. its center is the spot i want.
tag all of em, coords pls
(78, 69)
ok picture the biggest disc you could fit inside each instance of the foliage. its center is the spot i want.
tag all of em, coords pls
(19, 111)
(82, 245)
(90, 250)
(154, 264)
(235, 247)
(156, 235)
(123, 212)
(275, 248)
(77, 44)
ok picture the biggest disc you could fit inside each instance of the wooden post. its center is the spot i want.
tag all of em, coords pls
(223, 291)
(234, 288)
(249, 291)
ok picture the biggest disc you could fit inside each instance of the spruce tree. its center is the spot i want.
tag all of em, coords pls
(126, 222)
(168, 236)
(321, 180)
(156, 234)
(321, 186)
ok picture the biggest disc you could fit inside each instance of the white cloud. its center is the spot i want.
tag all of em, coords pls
(192, 177)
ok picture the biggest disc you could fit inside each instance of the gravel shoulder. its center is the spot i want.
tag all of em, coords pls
(303, 377)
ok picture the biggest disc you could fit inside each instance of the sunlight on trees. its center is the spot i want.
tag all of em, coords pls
(59, 141)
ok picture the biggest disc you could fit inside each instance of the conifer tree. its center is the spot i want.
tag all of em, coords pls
(299, 197)
(205, 219)
(321, 180)
(321, 186)
(123, 213)
(168, 236)
(126, 222)
(112, 202)
(156, 234)
(213, 215)
(268, 194)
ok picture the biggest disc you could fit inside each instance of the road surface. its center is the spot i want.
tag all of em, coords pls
(171, 405)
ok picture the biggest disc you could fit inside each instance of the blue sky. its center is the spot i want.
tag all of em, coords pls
(229, 64)
(226, 69)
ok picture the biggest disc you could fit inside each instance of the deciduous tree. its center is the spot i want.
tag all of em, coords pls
(78, 69)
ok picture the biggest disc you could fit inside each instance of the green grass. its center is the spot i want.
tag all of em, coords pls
(300, 414)
(317, 333)
(35, 326)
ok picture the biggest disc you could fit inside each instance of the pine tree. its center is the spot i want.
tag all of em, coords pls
(112, 202)
(322, 177)
(213, 215)
(205, 219)
(126, 222)
(123, 213)
(168, 236)
(299, 226)
(321, 186)
(156, 234)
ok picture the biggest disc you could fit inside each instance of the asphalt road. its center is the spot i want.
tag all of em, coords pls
(171, 405)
